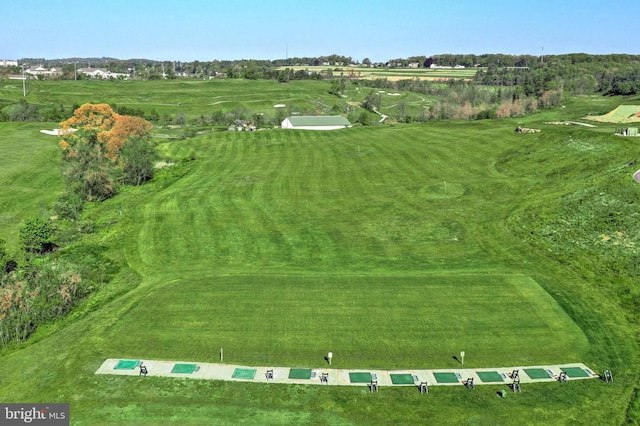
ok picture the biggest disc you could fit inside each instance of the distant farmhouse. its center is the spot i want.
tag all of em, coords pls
(41, 71)
(330, 122)
(100, 73)
(240, 125)
(8, 63)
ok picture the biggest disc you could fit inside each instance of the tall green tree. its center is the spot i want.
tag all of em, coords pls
(137, 161)
(87, 169)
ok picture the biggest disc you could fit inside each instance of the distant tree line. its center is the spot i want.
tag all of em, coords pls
(23, 111)
(573, 73)
(577, 73)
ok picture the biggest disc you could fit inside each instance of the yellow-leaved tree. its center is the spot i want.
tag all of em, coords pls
(97, 146)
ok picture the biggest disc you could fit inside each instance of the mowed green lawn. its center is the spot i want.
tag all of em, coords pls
(377, 245)
(29, 176)
(366, 321)
(367, 200)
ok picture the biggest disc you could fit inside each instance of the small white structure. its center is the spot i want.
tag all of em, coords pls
(42, 71)
(8, 63)
(100, 73)
(457, 67)
(240, 125)
(58, 132)
(320, 122)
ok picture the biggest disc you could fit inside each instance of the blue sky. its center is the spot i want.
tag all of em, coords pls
(272, 29)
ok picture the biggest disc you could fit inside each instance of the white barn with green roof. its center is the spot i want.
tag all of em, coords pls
(320, 122)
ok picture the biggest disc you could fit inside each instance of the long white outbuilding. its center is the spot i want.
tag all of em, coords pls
(329, 122)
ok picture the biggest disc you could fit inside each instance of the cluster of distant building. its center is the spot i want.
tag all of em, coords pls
(389, 64)
(40, 71)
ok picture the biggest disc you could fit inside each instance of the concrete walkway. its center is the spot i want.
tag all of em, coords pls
(341, 377)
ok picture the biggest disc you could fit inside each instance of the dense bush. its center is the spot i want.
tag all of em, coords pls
(37, 235)
(40, 292)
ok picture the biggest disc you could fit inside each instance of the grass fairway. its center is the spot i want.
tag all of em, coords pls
(392, 247)
(375, 321)
(29, 176)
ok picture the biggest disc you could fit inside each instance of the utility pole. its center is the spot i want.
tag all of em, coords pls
(24, 84)
(542, 56)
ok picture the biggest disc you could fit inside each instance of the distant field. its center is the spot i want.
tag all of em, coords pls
(190, 97)
(196, 98)
(395, 73)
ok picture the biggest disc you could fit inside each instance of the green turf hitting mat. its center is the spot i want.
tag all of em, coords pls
(402, 379)
(575, 372)
(360, 377)
(537, 373)
(489, 376)
(125, 364)
(300, 373)
(184, 368)
(244, 373)
(446, 377)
